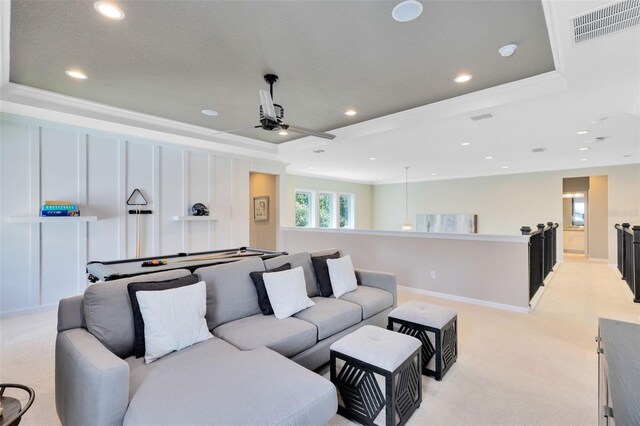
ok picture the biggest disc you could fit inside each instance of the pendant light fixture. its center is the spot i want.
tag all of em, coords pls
(406, 226)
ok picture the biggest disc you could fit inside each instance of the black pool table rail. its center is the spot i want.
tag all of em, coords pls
(118, 269)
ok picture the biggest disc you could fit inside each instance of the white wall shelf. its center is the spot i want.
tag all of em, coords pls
(194, 218)
(47, 219)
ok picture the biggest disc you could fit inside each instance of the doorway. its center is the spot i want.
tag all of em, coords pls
(263, 208)
(585, 221)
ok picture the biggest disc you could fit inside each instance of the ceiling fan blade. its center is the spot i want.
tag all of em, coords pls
(268, 109)
(233, 130)
(308, 131)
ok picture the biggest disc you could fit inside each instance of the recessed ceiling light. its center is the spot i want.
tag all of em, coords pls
(318, 151)
(463, 78)
(507, 50)
(311, 168)
(350, 112)
(109, 10)
(488, 158)
(465, 143)
(372, 158)
(283, 133)
(584, 159)
(433, 174)
(505, 167)
(209, 112)
(584, 148)
(627, 155)
(407, 10)
(76, 74)
(583, 132)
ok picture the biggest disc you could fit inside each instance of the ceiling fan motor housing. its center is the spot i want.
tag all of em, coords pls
(269, 124)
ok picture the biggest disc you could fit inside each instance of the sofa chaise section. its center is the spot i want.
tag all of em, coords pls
(214, 383)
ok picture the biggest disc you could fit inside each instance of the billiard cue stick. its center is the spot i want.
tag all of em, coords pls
(214, 256)
(137, 231)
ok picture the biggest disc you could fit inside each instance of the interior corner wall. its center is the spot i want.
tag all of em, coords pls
(506, 203)
(363, 203)
(40, 263)
(263, 233)
(598, 207)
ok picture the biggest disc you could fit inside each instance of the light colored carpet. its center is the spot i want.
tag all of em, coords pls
(517, 369)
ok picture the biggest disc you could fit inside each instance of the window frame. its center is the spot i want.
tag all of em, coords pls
(351, 219)
(314, 208)
(312, 213)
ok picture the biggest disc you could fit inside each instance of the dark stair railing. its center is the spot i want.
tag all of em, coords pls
(542, 253)
(628, 244)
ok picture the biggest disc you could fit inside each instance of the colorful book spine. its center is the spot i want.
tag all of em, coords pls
(59, 213)
(56, 202)
(69, 207)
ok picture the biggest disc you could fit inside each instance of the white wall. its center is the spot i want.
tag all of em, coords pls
(506, 203)
(363, 197)
(41, 263)
(489, 270)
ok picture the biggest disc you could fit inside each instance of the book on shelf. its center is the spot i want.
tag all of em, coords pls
(56, 202)
(59, 207)
(59, 213)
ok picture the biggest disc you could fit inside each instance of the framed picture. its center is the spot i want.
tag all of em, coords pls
(261, 208)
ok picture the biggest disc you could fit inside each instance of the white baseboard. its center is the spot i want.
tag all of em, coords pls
(536, 297)
(469, 300)
(27, 311)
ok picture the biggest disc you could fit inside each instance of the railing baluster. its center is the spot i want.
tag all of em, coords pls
(635, 271)
(628, 245)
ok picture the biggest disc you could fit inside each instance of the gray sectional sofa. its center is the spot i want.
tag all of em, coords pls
(243, 375)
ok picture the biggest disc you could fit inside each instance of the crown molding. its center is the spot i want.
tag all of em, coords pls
(19, 112)
(5, 33)
(34, 100)
(468, 104)
(550, 17)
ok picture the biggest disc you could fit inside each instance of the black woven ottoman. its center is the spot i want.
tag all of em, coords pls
(437, 329)
(366, 359)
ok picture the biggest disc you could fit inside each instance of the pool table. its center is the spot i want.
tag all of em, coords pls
(116, 269)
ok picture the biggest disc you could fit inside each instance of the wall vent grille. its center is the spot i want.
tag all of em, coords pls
(484, 116)
(598, 139)
(606, 20)
(537, 150)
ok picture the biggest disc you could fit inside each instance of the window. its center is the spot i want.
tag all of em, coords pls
(303, 209)
(346, 211)
(325, 210)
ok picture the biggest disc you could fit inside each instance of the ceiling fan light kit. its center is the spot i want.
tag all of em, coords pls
(271, 115)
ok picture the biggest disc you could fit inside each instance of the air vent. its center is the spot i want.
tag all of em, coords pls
(484, 116)
(537, 150)
(606, 20)
(598, 139)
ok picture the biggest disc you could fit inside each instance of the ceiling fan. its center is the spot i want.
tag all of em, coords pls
(271, 114)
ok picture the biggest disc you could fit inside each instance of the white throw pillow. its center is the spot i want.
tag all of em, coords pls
(342, 275)
(173, 319)
(287, 292)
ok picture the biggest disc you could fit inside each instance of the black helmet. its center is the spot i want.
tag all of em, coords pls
(199, 209)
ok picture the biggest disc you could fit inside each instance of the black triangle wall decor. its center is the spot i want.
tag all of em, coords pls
(138, 195)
